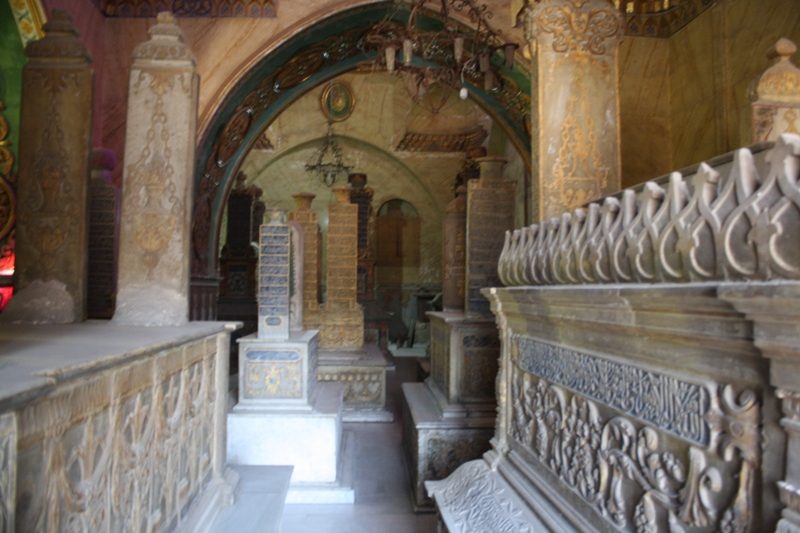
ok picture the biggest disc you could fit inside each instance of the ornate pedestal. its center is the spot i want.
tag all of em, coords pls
(450, 418)
(363, 375)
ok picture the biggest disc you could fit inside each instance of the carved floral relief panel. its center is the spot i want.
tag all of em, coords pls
(123, 451)
(639, 471)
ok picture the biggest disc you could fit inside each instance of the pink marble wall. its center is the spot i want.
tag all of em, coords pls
(91, 25)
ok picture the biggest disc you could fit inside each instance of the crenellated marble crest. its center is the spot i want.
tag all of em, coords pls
(739, 226)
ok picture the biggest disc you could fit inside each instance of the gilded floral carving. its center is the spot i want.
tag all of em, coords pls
(153, 206)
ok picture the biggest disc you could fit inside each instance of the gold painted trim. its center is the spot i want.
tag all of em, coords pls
(326, 105)
(30, 16)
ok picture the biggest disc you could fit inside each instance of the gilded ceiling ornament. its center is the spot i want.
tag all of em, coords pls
(337, 101)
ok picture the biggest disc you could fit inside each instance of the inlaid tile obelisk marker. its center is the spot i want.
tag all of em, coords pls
(274, 257)
(284, 416)
(157, 180)
(55, 145)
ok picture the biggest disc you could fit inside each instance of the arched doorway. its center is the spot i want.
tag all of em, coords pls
(307, 60)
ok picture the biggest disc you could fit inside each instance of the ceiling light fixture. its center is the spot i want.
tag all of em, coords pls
(429, 49)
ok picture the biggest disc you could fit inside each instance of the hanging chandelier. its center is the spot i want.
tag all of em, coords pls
(326, 163)
(431, 52)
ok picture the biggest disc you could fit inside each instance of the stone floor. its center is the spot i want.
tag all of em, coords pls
(381, 483)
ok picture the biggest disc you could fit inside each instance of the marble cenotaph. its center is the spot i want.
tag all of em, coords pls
(283, 416)
(450, 418)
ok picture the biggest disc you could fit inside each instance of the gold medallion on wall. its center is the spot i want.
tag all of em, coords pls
(337, 101)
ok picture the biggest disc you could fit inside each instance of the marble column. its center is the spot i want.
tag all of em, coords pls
(454, 252)
(343, 319)
(575, 146)
(308, 220)
(55, 146)
(490, 213)
(157, 180)
(776, 99)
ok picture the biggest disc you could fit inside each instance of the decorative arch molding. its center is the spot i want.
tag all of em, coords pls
(313, 56)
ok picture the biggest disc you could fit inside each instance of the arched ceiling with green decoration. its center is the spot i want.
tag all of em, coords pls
(309, 59)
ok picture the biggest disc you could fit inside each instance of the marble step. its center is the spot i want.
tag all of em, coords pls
(258, 500)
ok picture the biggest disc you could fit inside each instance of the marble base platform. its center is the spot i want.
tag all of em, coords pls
(363, 375)
(262, 490)
(435, 446)
(341, 490)
(308, 441)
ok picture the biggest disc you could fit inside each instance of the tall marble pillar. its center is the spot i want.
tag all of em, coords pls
(490, 212)
(308, 220)
(342, 324)
(55, 146)
(454, 256)
(576, 128)
(157, 180)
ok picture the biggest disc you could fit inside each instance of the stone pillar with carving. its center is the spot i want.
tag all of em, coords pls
(361, 196)
(490, 212)
(776, 99)
(308, 220)
(104, 195)
(52, 203)
(342, 326)
(157, 180)
(454, 256)
(774, 310)
(238, 258)
(576, 129)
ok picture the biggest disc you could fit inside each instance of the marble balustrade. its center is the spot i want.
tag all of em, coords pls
(738, 221)
(101, 430)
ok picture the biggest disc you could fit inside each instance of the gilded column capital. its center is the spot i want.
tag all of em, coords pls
(588, 26)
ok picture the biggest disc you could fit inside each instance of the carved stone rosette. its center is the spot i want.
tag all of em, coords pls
(157, 180)
(577, 144)
(52, 203)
